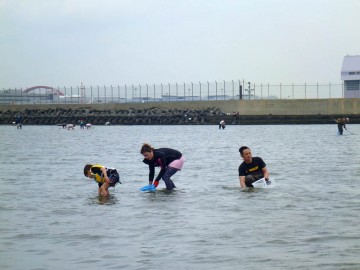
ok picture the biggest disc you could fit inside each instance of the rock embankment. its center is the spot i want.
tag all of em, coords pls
(156, 116)
(151, 116)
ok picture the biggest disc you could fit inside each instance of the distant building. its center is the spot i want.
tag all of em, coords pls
(350, 74)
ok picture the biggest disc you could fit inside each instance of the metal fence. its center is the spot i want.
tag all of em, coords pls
(218, 90)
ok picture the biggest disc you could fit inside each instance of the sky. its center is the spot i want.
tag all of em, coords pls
(116, 42)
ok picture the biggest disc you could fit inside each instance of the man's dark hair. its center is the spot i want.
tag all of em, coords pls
(242, 148)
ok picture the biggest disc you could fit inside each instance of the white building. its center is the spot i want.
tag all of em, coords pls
(350, 74)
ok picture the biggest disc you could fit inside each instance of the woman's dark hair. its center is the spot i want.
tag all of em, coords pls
(146, 148)
(87, 168)
(242, 148)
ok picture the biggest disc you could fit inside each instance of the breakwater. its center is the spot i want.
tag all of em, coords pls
(151, 116)
(239, 112)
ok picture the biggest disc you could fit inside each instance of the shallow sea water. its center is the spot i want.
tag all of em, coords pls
(52, 218)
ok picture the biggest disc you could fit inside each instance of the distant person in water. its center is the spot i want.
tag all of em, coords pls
(82, 124)
(169, 160)
(222, 124)
(104, 176)
(251, 169)
(18, 121)
(341, 122)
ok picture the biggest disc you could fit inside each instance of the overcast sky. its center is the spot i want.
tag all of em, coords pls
(112, 42)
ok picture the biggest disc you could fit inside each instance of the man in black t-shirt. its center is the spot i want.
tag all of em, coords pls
(251, 169)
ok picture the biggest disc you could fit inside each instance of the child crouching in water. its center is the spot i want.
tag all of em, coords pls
(105, 177)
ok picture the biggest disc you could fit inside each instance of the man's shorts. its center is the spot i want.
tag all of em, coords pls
(249, 179)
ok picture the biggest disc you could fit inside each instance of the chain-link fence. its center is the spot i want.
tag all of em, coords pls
(218, 90)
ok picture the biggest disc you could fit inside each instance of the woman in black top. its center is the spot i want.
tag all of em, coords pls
(169, 160)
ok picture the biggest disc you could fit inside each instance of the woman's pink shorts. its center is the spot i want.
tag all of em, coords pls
(178, 163)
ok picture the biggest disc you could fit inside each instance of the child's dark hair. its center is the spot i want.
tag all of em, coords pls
(146, 148)
(87, 168)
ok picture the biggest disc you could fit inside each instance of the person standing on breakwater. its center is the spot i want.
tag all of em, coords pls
(251, 169)
(104, 176)
(341, 124)
(169, 160)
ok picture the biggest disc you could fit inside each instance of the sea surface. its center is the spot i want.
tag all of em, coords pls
(51, 216)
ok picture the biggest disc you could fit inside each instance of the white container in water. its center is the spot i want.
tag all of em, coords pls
(262, 183)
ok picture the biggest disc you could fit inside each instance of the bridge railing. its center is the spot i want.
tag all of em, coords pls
(218, 90)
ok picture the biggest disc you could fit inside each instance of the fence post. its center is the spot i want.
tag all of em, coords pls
(261, 90)
(208, 86)
(224, 91)
(330, 89)
(118, 93)
(317, 90)
(177, 90)
(200, 89)
(13, 101)
(243, 85)
(280, 92)
(240, 90)
(292, 90)
(132, 93)
(154, 92)
(147, 92)
(112, 94)
(169, 92)
(184, 91)
(91, 95)
(305, 90)
(215, 90)
(140, 92)
(98, 98)
(192, 91)
(162, 90)
(64, 95)
(125, 93)
(232, 85)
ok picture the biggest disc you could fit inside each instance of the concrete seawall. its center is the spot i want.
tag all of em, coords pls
(306, 111)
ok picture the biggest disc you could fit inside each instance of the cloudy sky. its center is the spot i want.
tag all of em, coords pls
(112, 42)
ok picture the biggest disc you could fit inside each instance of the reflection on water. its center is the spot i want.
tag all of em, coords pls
(53, 218)
(108, 200)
